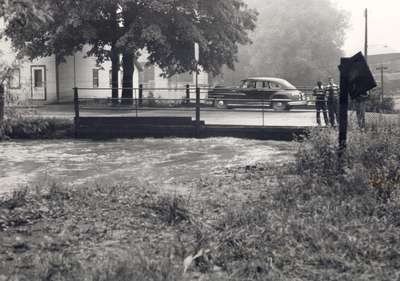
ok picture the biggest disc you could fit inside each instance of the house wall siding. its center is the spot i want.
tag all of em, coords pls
(83, 67)
(25, 90)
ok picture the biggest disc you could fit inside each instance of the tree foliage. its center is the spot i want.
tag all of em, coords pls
(298, 40)
(166, 29)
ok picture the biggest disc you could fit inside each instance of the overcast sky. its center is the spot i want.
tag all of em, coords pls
(384, 25)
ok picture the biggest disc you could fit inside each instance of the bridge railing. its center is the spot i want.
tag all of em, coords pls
(186, 101)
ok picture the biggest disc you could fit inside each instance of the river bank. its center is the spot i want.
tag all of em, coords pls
(301, 219)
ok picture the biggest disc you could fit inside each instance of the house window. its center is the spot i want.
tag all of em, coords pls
(95, 78)
(38, 78)
(15, 79)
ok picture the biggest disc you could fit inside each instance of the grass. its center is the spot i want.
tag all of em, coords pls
(310, 219)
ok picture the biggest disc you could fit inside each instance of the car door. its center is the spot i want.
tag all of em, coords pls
(251, 93)
(274, 88)
(246, 89)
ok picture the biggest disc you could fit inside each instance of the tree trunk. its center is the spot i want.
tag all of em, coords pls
(115, 63)
(1, 103)
(127, 83)
(114, 74)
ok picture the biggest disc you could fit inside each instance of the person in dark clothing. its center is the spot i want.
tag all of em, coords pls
(332, 91)
(320, 102)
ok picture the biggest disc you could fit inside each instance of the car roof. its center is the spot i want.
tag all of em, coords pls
(272, 79)
(280, 81)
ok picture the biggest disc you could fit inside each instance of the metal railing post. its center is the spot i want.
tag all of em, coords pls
(197, 111)
(141, 95)
(263, 113)
(2, 106)
(187, 94)
(76, 107)
(136, 104)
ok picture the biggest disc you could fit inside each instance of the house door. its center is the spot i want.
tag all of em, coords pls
(38, 82)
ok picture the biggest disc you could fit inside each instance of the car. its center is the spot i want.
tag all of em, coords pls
(272, 92)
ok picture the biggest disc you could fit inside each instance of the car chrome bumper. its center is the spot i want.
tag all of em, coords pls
(295, 103)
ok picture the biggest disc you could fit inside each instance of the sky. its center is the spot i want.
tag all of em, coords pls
(383, 25)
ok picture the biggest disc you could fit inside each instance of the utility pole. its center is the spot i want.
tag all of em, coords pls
(366, 36)
(381, 68)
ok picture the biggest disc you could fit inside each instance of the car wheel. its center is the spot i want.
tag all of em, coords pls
(220, 104)
(280, 105)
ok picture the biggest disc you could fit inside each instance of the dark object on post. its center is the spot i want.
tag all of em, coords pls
(1, 102)
(360, 79)
(187, 94)
(355, 79)
(140, 94)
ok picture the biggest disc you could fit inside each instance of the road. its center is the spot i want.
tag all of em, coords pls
(212, 116)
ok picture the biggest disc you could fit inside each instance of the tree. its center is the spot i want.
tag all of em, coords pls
(166, 29)
(63, 28)
(300, 42)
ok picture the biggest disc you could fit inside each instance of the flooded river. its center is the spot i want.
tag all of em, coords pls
(160, 162)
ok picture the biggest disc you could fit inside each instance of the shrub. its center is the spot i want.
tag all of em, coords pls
(374, 155)
(374, 104)
(33, 128)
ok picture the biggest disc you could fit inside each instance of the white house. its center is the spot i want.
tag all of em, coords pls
(43, 81)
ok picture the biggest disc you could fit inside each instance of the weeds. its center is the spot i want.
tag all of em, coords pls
(171, 209)
(316, 222)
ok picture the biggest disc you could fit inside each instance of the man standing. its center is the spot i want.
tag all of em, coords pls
(320, 102)
(332, 91)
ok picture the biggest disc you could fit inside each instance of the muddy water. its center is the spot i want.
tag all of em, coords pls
(160, 162)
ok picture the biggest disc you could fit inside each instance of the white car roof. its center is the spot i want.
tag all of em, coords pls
(273, 79)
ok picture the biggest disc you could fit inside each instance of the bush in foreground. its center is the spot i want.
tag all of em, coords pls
(322, 223)
(35, 128)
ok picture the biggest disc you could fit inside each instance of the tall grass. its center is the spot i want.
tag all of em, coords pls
(318, 221)
(323, 222)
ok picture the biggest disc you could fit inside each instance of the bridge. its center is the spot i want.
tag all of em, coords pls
(151, 116)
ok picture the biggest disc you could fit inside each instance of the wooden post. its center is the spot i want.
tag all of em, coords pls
(140, 94)
(1, 102)
(187, 94)
(343, 107)
(197, 111)
(76, 107)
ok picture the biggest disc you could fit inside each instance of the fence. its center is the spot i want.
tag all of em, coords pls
(187, 102)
